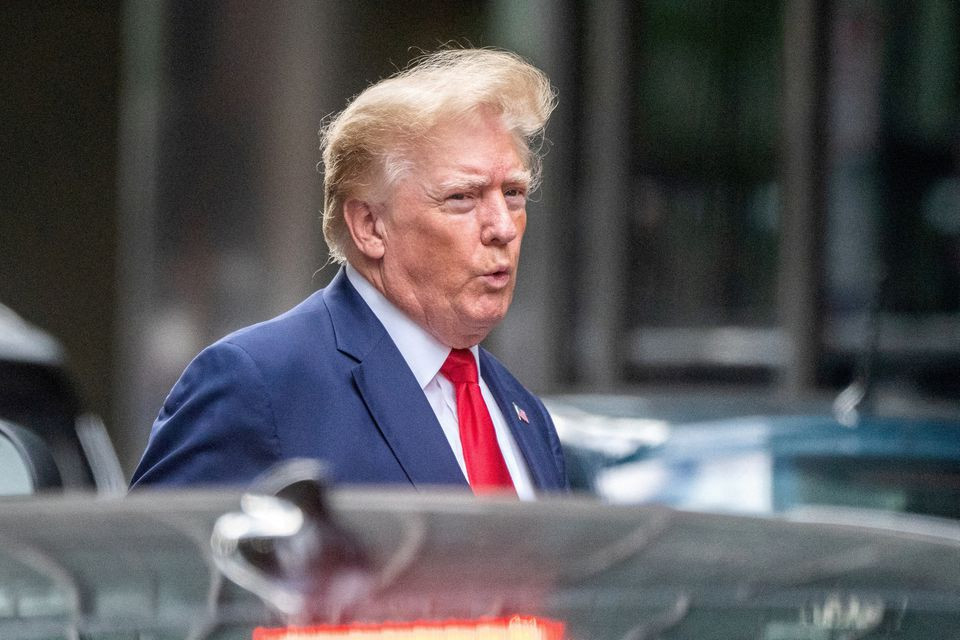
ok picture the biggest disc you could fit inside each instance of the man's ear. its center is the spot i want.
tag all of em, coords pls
(366, 227)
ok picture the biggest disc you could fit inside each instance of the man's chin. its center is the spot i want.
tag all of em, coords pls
(484, 324)
(470, 330)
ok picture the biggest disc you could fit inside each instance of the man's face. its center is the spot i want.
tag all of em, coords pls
(452, 228)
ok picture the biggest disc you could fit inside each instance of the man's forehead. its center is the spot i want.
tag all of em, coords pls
(442, 164)
(472, 144)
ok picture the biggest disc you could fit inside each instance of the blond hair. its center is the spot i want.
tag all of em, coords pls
(373, 141)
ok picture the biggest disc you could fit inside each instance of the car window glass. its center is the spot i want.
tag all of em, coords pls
(14, 473)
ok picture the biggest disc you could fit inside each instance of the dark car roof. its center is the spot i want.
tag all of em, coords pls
(143, 564)
(21, 341)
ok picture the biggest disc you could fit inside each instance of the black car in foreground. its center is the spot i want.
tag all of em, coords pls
(155, 565)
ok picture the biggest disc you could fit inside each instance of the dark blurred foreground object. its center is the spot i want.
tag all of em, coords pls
(40, 407)
(748, 452)
(285, 546)
(143, 567)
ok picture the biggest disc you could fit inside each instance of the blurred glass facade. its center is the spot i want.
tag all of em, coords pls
(710, 168)
(704, 231)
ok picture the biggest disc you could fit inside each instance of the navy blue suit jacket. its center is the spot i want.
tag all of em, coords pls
(324, 380)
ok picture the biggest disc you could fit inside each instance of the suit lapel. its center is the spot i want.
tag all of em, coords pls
(528, 435)
(390, 391)
(405, 418)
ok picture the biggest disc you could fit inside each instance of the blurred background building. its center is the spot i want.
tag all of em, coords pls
(736, 192)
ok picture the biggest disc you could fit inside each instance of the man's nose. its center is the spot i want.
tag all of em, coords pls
(500, 224)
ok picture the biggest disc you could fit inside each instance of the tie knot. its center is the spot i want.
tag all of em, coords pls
(460, 366)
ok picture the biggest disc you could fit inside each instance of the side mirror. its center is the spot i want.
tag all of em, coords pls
(26, 463)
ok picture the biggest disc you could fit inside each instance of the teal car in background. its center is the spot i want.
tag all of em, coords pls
(745, 453)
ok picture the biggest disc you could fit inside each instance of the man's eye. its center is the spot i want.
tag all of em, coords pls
(460, 202)
(516, 198)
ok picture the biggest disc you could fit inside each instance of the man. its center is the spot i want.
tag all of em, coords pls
(426, 179)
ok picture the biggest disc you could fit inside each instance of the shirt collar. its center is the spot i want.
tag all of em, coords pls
(423, 353)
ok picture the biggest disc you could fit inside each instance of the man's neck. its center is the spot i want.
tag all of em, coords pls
(422, 352)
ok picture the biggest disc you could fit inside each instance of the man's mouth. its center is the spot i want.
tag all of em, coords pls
(497, 278)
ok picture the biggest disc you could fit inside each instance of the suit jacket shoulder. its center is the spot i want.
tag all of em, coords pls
(322, 380)
(325, 381)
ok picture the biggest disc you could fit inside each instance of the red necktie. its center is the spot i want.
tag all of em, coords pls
(486, 470)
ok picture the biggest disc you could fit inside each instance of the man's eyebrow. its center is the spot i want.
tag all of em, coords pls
(474, 181)
(519, 177)
(464, 182)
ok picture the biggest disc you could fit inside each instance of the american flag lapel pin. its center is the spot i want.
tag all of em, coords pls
(521, 414)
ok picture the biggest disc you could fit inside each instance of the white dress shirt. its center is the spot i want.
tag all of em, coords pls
(424, 354)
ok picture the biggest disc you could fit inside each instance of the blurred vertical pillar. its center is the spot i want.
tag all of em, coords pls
(805, 60)
(141, 95)
(270, 109)
(605, 188)
(291, 183)
(533, 338)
